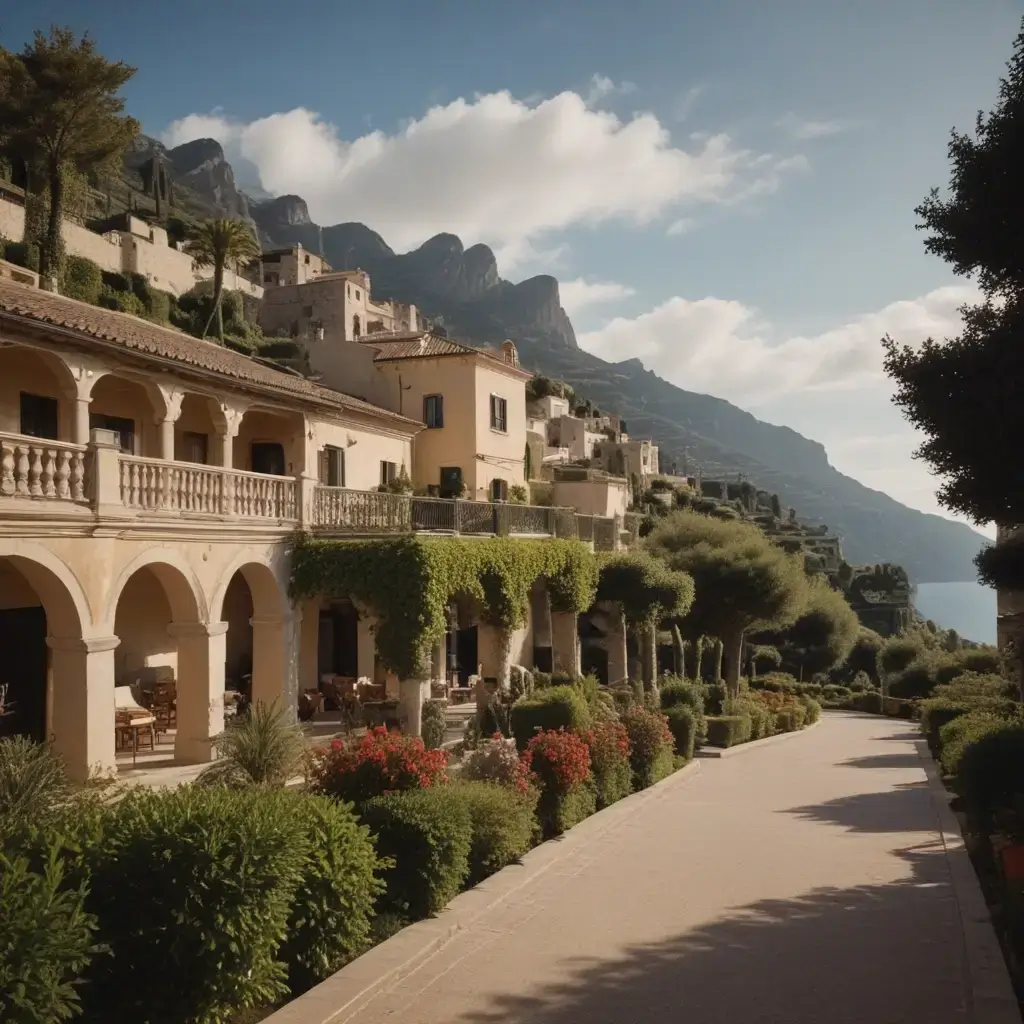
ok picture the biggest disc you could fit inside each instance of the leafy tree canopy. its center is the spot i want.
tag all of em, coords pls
(59, 108)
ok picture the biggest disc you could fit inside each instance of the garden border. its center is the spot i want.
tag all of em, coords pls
(716, 753)
(344, 993)
(991, 994)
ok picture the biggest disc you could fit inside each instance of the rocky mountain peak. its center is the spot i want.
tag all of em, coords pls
(282, 211)
(201, 164)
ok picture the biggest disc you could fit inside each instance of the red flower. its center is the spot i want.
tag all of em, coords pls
(560, 760)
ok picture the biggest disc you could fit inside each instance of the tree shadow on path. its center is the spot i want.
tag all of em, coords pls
(884, 761)
(872, 954)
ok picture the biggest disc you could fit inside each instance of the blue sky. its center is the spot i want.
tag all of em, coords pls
(764, 272)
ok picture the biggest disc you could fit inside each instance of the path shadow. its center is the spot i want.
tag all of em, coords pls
(884, 761)
(872, 954)
(903, 808)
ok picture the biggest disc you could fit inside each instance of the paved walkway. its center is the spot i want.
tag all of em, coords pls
(802, 882)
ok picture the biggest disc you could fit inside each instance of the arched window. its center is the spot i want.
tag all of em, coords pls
(355, 327)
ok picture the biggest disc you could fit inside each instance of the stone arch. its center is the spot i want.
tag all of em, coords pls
(183, 590)
(268, 597)
(61, 595)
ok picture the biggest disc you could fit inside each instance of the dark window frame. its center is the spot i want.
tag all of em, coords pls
(388, 472)
(499, 414)
(433, 411)
(39, 416)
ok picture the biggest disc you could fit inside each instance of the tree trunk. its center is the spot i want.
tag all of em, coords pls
(698, 665)
(677, 641)
(218, 289)
(649, 653)
(49, 262)
(734, 641)
(719, 651)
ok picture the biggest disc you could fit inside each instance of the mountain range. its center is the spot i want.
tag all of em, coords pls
(462, 290)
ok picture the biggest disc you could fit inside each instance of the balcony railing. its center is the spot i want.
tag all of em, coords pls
(338, 510)
(157, 485)
(32, 467)
(605, 528)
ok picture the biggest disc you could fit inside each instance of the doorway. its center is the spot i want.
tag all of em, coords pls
(23, 643)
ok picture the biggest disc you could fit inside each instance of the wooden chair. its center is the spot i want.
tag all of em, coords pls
(131, 720)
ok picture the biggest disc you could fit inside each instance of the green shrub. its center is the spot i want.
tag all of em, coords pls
(622, 698)
(686, 693)
(560, 763)
(762, 717)
(158, 306)
(935, 713)
(192, 889)
(434, 723)
(428, 835)
(262, 748)
(977, 684)
(650, 746)
(82, 280)
(991, 772)
(553, 708)
(24, 254)
(331, 910)
(778, 682)
(682, 723)
(861, 682)
(715, 696)
(790, 719)
(728, 730)
(812, 710)
(124, 302)
(609, 761)
(503, 825)
(46, 941)
(869, 702)
(33, 783)
(955, 735)
(915, 681)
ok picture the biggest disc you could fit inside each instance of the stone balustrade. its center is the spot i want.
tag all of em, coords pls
(32, 467)
(158, 485)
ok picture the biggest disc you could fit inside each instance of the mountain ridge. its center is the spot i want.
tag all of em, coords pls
(461, 289)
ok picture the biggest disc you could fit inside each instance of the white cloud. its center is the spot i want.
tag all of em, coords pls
(578, 294)
(492, 168)
(802, 128)
(829, 386)
(601, 86)
(680, 226)
(685, 104)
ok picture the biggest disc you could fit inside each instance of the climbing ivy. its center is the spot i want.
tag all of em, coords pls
(647, 590)
(408, 583)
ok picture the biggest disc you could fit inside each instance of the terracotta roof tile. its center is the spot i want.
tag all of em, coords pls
(137, 335)
(424, 345)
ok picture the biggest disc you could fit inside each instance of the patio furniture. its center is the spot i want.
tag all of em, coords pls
(131, 720)
(165, 706)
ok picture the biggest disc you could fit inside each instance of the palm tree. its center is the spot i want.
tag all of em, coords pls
(215, 243)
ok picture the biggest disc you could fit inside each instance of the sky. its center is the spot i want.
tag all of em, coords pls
(725, 190)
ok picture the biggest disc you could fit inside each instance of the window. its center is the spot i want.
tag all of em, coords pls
(499, 490)
(307, 259)
(194, 447)
(332, 466)
(267, 457)
(124, 428)
(39, 416)
(348, 290)
(357, 295)
(451, 482)
(307, 311)
(499, 414)
(355, 327)
(433, 410)
(388, 473)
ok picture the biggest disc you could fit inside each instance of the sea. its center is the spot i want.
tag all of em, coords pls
(969, 608)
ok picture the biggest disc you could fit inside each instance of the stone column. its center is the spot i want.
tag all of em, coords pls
(411, 695)
(540, 614)
(439, 662)
(227, 432)
(618, 667)
(82, 713)
(201, 655)
(565, 643)
(274, 669)
(80, 433)
(366, 646)
(103, 476)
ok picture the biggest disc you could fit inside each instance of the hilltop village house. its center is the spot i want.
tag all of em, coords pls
(152, 486)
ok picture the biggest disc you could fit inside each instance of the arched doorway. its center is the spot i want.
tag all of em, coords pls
(261, 649)
(42, 403)
(132, 409)
(56, 681)
(159, 619)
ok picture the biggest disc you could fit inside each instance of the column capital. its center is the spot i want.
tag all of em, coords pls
(185, 629)
(83, 645)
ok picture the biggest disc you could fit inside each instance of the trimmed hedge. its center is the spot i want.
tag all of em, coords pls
(434, 723)
(991, 771)
(682, 723)
(331, 911)
(956, 735)
(428, 835)
(553, 708)
(192, 891)
(728, 730)
(503, 825)
(869, 702)
(82, 279)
